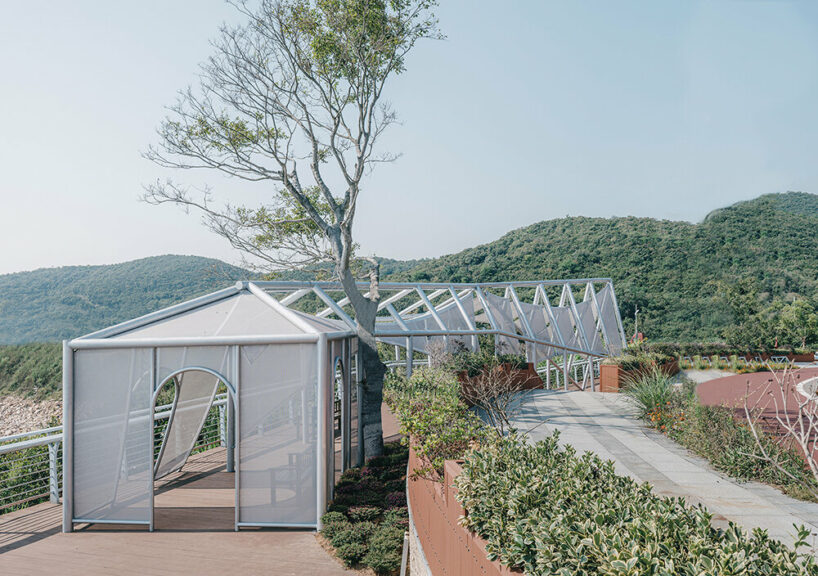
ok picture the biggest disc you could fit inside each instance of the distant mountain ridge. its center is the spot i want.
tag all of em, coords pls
(675, 272)
(56, 303)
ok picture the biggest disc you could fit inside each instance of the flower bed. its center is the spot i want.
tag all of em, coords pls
(715, 433)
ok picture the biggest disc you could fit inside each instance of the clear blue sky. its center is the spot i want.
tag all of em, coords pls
(530, 110)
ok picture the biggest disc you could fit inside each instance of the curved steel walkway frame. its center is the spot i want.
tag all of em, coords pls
(411, 312)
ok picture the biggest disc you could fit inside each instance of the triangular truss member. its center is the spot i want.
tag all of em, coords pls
(416, 316)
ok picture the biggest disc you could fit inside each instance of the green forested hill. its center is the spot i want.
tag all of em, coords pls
(729, 275)
(55, 303)
(687, 279)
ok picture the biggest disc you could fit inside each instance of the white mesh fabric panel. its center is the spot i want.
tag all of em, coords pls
(537, 318)
(195, 395)
(277, 443)
(112, 435)
(608, 313)
(172, 359)
(503, 314)
(565, 323)
(453, 319)
(597, 344)
(588, 322)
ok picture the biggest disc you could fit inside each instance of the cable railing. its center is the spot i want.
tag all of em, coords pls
(553, 375)
(31, 462)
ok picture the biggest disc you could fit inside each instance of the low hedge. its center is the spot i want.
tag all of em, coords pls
(549, 511)
(709, 349)
(636, 361)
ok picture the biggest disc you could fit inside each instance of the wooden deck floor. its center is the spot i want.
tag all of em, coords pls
(193, 521)
(194, 512)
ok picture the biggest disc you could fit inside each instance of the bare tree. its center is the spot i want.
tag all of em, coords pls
(496, 392)
(796, 415)
(294, 100)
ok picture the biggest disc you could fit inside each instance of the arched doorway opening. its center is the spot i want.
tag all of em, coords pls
(194, 483)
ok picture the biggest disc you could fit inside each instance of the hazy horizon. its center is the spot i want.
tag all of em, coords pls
(590, 108)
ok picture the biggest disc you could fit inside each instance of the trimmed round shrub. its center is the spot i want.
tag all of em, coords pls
(395, 500)
(351, 553)
(363, 513)
(385, 549)
(398, 517)
(395, 486)
(331, 529)
(357, 533)
(392, 473)
(333, 516)
(360, 498)
(351, 474)
(338, 507)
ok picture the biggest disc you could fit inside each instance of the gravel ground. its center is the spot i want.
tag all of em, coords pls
(24, 415)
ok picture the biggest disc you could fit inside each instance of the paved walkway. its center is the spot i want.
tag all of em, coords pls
(605, 424)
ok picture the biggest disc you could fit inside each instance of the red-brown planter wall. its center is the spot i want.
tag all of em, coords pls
(612, 378)
(449, 548)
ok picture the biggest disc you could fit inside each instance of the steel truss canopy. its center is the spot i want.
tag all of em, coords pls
(287, 354)
(539, 319)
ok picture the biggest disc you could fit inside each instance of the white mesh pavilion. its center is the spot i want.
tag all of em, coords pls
(279, 367)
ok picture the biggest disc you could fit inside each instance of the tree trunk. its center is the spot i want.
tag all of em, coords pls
(373, 370)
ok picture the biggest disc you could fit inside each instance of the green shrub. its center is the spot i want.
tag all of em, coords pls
(351, 552)
(549, 511)
(364, 513)
(473, 363)
(398, 517)
(651, 391)
(358, 532)
(331, 517)
(338, 507)
(330, 529)
(429, 408)
(385, 549)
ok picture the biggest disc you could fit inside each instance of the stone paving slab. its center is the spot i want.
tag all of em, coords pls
(607, 425)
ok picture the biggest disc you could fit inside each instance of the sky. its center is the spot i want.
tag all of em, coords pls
(528, 110)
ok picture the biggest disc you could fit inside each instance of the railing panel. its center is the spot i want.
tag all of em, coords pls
(31, 462)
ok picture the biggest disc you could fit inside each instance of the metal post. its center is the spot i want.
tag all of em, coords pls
(565, 370)
(234, 432)
(53, 475)
(410, 356)
(321, 429)
(222, 437)
(230, 439)
(152, 468)
(68, 438)
(547, 374)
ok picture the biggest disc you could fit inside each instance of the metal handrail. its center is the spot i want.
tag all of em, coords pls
(44, 471)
